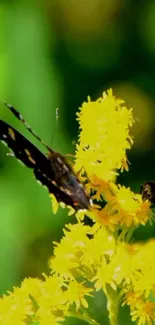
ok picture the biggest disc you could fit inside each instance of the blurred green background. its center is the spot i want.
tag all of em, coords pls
(54, 53)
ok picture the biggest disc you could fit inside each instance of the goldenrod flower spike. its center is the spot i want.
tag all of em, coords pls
(104, 136)
(101, 256)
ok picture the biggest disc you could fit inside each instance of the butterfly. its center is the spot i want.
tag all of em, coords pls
(52, 170)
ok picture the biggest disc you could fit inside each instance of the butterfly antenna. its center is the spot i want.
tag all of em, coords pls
(56, 119)
(21, 119)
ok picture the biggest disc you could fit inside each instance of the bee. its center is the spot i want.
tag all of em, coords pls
(147, 190)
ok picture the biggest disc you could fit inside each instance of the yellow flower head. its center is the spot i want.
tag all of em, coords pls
(104, 136)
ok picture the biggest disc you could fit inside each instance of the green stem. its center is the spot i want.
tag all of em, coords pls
(113, 303)
(83, 316)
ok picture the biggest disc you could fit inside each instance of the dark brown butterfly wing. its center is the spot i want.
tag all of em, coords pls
(26, 152)
(52, 171)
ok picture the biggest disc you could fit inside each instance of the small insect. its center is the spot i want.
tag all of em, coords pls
(147, 190)
(53, 170)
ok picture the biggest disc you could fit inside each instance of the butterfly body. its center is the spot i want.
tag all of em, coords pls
(53, 170)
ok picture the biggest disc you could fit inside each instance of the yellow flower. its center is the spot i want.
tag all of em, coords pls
(69, 251)
(144, 313)
(102, 148)
(97, 249)
(14, 309)
(48, 318)
(123, 208)
(144, 260)
(76, 293)
(131, 299)
(141, 310)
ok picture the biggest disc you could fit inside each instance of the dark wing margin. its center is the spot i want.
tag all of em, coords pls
(33, 158)
(22, 148)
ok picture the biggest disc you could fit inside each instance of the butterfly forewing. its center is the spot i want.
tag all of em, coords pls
(52, 171)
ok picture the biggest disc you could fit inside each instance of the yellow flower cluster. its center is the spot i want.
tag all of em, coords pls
(139, 289)
(98, 257)
(43, 302)
(123, 271)
(104, 137)
(101, 153)
(123, 209)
